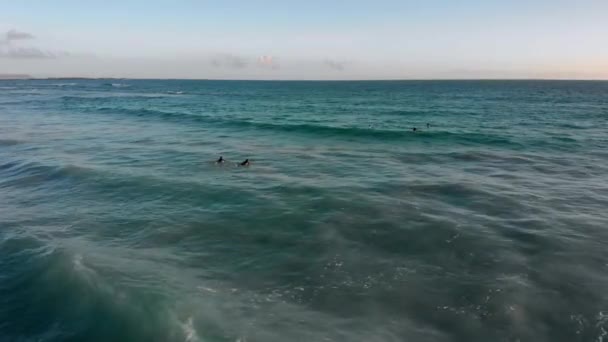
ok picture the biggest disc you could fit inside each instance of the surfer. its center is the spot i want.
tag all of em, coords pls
(428, 125)
(414, 129)
(221, 160)
(245, 163)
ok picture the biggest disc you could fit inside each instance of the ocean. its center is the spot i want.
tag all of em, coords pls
(490, 224)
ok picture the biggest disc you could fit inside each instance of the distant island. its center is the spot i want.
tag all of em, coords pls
(29, 77)
(14, 76)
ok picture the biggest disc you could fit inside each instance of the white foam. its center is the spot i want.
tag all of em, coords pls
(77, 261)
(208, 289)
(189, 331)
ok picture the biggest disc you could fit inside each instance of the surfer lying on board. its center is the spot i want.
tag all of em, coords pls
(245, 163)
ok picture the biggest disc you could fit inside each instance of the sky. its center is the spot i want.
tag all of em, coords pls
(313, 39)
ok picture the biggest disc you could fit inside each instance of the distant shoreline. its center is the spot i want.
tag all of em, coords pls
(19, 77)
(9, 77)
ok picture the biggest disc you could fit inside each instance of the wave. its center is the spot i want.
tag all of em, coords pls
(137, 112)
(110, 96)
(117, 85)
(110, 184)
(37, 275)
(24, 102)
(10, 142)
(354, 132)
(63, 84)
(404, 112)
(26, 173)
(572, 126)
(319, 130)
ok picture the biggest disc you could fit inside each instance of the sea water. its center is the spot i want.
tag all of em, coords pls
(490, 224)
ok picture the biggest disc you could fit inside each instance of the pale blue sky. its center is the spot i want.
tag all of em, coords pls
(382, 39)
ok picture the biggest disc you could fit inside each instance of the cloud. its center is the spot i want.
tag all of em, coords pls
(16, 35)
(336, 65)
(27, 53)
(10, 47)
(268, 62)
(228, 61)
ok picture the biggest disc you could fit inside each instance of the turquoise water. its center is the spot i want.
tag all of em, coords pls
(490, 225)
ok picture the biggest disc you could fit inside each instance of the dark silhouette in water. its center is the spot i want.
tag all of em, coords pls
(245, 163)
(414, 129)
(428, 125)
(221, 160)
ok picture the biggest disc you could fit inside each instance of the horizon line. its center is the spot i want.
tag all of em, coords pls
(28, 77)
